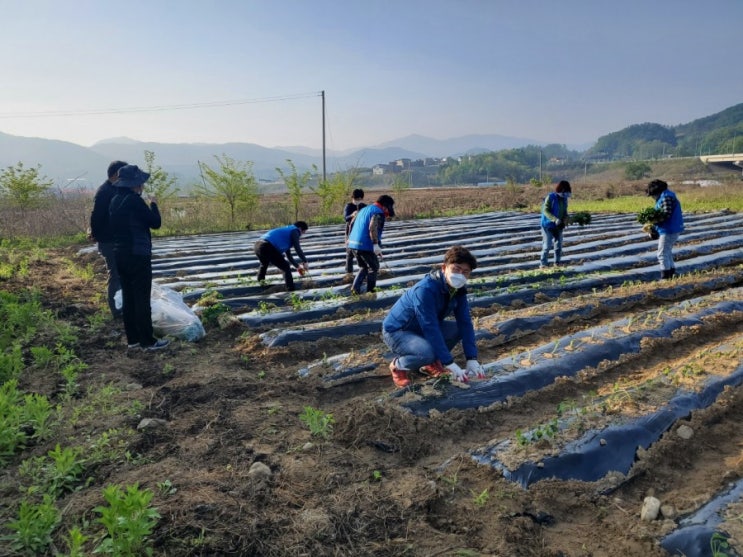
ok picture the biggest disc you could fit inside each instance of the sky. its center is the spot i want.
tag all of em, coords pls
(219, 71)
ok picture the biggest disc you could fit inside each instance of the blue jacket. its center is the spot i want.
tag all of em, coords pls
(131, 220)
(554, 207)
(422, 308)
(284, 239)
(360, 236)
(675, 223)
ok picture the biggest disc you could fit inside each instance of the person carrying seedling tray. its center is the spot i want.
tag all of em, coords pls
(554, 220)
(666, 223)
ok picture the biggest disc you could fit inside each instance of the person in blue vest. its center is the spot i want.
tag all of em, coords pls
(554, 219)
(365, 240)
(274, 244)
(349, 212)
(668, 227)
(416, 328)
(131, 219)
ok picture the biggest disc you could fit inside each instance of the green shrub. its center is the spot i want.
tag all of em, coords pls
(32, 530)
(581, 218)
(128, 520)
(18, 415)
(319, 422)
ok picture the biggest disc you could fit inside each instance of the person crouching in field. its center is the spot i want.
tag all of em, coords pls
(669, 227)
(553, 222)
(274, 244)
(418, 333)
(365, 239)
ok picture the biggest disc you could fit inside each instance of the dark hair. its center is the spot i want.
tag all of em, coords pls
(301, 225)
(358, 194)
(114, 168)
(656, 187)
(458, 255)
(388, 203)
(563, 186)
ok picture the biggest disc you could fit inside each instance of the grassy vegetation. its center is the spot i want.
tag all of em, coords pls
(603, 188)
(36, 347)
(693, 200)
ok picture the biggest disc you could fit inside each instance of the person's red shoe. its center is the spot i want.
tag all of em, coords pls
(435, 369)
(399, 376)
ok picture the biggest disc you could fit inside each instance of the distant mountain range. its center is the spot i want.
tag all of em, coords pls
(71, 165)
(75, 166)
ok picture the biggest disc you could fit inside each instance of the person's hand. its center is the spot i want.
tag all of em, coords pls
(474, 369)
(304, 266)
(560, 223)
(377, 250)
(647, 227)
(152, 199)
(457, 373)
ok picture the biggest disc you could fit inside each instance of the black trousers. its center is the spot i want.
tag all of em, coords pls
(349, 260)
(135, 273)
(368, 268)
(268, 255)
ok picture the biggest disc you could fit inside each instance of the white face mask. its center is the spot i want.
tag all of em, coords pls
(455, 280)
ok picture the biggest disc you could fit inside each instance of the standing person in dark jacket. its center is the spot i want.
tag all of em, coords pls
(668, 227)
(274, 244)
(349, 212)
(131, 221)
(417, 331)
(365, 239)
(554, 219)
(100, 231)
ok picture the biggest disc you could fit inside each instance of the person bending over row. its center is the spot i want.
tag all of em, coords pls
(274, 244)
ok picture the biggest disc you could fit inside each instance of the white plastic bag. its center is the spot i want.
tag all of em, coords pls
(172, 317)
(170, 314)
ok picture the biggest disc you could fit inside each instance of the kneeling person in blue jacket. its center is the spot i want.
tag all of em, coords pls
(417, 331)
(274, 244)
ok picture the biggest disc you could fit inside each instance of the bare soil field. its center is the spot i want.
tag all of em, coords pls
(407, 473)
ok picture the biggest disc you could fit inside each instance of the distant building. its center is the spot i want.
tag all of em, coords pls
(380, 169)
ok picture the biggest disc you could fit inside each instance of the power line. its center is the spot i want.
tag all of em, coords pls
(161, 108)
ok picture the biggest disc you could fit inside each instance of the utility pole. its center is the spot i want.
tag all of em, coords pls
(323, 135)
(540, 165)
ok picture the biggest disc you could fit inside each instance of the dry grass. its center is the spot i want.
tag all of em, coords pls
(69, 216)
